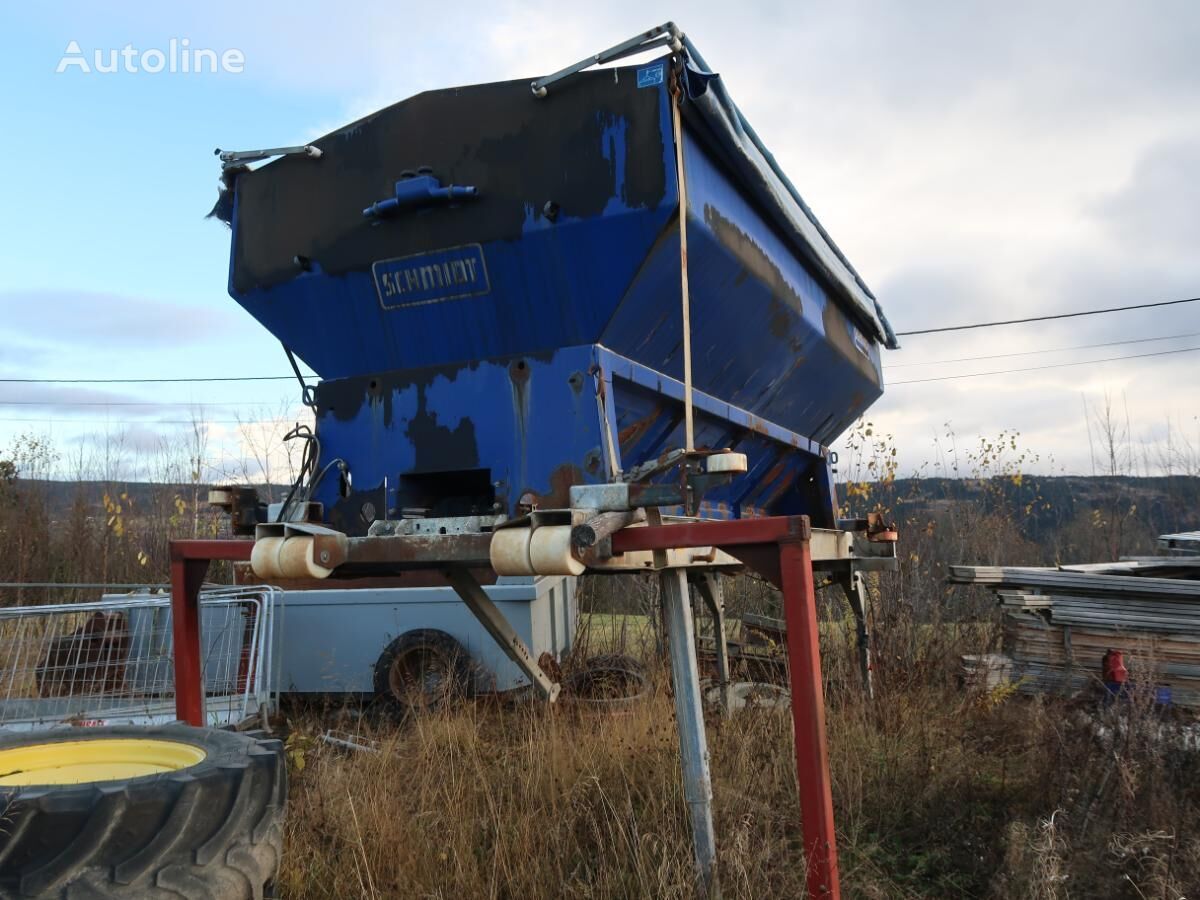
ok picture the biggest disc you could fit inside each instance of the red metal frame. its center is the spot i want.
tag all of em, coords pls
(189, 565)
(778, 548)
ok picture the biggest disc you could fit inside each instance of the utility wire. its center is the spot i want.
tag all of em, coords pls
(230, 378)
(1085, 362)
(1070, 315)
(936, 362)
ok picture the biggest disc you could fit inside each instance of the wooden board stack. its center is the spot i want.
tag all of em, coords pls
(1059, 623)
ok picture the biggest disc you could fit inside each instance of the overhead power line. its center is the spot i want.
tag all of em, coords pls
(1070, 315)
(960, 359)
(1085, 362)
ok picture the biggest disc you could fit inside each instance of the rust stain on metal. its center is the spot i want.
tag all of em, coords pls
(519, 374)
(418, 549)
(636, 430)
(838, 331)
(785, 304)
(561, 481)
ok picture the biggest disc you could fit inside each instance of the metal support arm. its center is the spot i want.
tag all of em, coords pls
(665, 35)
(779, 549)
(501, 630)
(189, 564)
(709, 586)
(689, 714)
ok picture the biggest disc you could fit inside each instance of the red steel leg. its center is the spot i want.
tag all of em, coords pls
(187, 575)
(808, 718)
(189, 565)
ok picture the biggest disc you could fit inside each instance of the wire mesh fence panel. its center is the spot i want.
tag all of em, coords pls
(111, 661)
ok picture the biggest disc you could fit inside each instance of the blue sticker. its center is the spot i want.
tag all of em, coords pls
(434, 277)
(650, 75)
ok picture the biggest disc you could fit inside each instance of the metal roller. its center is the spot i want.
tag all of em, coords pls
(290, 557)
(726, 462)
(509, 551)
(550, 551)
(264, 558)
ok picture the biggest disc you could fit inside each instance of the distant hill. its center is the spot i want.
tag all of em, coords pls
(1046, 505)
(61, 496)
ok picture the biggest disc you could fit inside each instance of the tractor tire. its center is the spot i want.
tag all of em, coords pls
(147, 813)
(422, 670)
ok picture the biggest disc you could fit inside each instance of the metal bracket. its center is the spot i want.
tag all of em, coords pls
(699, 470)
(709, 588)
(231, 158)
(665, 35)
(490, 617)
(415, 189)
(433, 525)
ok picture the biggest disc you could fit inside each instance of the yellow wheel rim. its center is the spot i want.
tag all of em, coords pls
(100, 759)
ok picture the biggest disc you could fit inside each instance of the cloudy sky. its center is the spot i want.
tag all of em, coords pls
(976, 161)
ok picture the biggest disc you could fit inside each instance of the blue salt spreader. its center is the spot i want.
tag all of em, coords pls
(487, 280)
(544, 314)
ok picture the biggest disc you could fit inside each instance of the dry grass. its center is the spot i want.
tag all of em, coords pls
(938, 794)
(489, 802)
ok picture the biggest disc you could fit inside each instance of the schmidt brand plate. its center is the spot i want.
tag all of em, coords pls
(433, 277)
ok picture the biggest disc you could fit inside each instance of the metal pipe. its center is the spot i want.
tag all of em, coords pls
(600, 526)
(689, 716)
(856, 595)
(808, 718)
(186, 576)
(189, 564)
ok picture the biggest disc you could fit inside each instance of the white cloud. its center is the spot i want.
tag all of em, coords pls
(975, 161)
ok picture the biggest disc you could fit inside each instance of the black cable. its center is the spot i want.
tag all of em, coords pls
(961, 359)
(308, 463)
(1071, 315)
(307, 394)
(1086, 362)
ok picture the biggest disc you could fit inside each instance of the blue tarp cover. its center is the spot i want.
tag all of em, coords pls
(711, 110)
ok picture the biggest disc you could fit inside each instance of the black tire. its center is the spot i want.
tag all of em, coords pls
(422, 670)
(208, 831)
(609, 682)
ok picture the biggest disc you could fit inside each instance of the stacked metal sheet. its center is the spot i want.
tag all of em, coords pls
(1185, 543)
(1059, 623)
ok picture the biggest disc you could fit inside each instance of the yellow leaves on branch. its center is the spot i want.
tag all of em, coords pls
(114, 507)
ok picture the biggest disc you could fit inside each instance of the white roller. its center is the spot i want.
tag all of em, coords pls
(264, 558)
(509, 551)
(292, 557)
(550, 551)
(726, 462)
